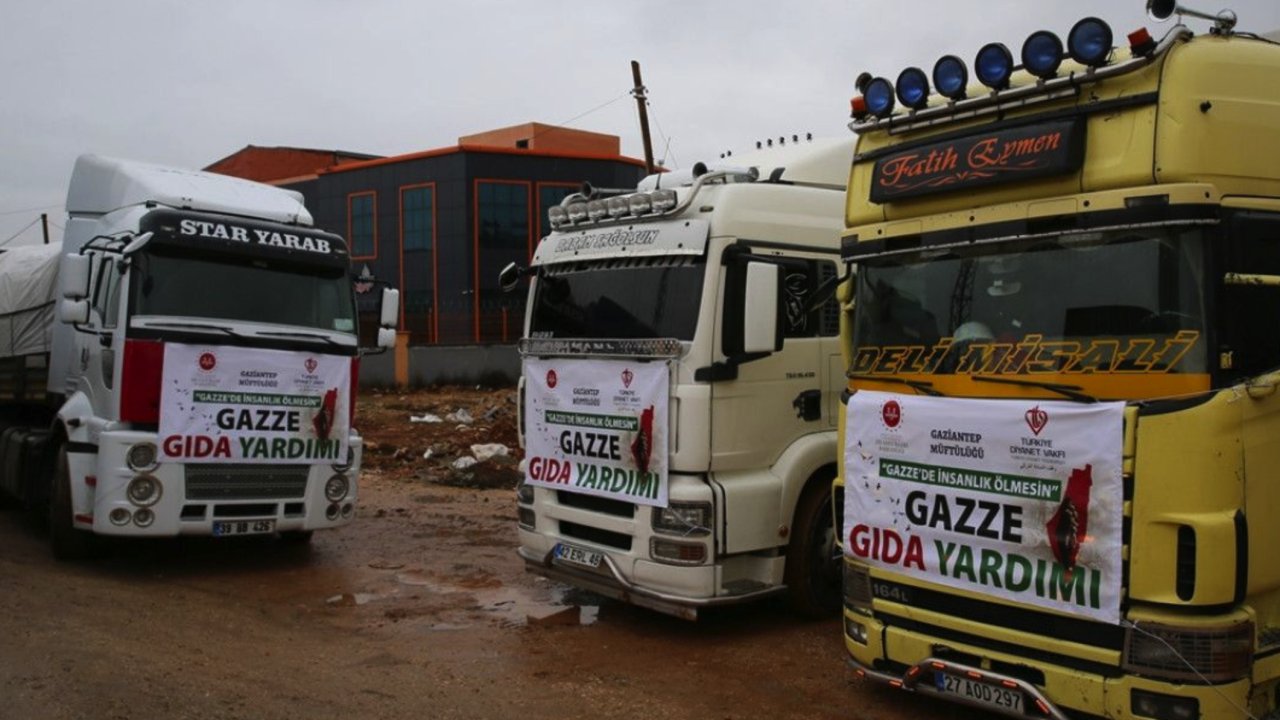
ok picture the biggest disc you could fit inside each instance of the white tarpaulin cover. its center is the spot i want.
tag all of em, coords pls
(28, 283)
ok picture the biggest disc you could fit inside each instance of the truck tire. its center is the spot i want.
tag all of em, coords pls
(813, 569)
(68, 541)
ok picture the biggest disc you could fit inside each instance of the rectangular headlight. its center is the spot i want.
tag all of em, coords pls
(1189, 654)
(857, 588)
(686, 519)
(677, 553)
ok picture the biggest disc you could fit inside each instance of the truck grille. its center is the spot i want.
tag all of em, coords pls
(246, 482)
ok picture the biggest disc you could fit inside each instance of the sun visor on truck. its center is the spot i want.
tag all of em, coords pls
(220, 234)
(638, 239)
(28, 285)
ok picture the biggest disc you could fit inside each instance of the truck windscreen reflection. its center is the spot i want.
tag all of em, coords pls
(622, 299)
(1102, 302)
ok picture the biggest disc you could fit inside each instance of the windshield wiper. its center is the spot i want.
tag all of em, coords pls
(311, 336)
(920, 386)
(193, 326)
(1070, 391)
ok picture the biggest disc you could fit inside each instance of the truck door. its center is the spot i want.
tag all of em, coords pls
(94, 363)
(776, 398)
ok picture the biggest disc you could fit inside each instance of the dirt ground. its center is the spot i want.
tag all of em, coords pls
(418, 609)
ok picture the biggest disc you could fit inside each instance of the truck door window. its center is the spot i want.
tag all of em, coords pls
(1250, 342)
(800, 278)
(106, 294)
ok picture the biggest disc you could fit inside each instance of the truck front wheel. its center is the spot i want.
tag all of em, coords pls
(813, 570)
(68, 541)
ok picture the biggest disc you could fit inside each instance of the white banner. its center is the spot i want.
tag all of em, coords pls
(1021, 500)
(229, 404)
(598, 427)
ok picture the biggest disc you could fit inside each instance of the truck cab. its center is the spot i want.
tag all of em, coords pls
(680, 313)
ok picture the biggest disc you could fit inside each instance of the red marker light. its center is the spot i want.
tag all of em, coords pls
(858, 107)
(1140, 43)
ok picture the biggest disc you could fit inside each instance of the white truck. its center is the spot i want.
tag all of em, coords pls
(679, 397)
(184, 364)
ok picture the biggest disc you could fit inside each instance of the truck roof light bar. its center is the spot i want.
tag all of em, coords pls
(1089, 43)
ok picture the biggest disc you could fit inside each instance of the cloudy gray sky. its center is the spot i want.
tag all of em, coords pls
(186, 83)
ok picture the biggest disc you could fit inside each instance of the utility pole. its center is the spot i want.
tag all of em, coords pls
(638, 92)
(44, 225)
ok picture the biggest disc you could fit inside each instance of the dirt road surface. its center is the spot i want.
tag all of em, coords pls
(418, 609)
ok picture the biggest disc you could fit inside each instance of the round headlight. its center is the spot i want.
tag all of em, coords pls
(597, 210)
(336, 488)
(618, 207)
(120, 516)
(143, 490)
(913, 88)
(143, 518)
(994, 65)
(951, 77)
(577, 212)
(640, 204)
(141, 456)
(1042, 54)
(879, 95)
(1089, 42)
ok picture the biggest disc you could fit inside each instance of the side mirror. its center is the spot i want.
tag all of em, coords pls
(386, 338)
(761, 317)
(73, 312)
(511, 276)
(389, 313)
(73, 277)
(753, 307)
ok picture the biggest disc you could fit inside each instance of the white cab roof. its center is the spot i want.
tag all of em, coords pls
(100, 185)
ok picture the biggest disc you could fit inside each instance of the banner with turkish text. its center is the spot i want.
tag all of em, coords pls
(598, 427)
(228, 404)
(1016, 499)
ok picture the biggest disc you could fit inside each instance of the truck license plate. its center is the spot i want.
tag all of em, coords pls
(992, 696)
(578, 556)
(243, 527)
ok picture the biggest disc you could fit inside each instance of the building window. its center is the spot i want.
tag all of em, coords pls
(502, 237)
(362, 225)
(417, 226)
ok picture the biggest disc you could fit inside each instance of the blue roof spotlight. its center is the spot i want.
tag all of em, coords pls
(879, 95)
(1089, 42)
(1042, 54)
(994, 65)
(951, 77)
(913, 88)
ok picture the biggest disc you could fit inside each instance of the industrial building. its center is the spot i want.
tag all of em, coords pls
(440, 224)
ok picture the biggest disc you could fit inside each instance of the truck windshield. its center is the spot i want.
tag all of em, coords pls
(242, 289)
(1085, 305)
(624, 299)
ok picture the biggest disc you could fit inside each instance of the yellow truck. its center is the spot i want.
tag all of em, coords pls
(1061, 463)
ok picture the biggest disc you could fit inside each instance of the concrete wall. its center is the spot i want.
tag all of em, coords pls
(453, 364)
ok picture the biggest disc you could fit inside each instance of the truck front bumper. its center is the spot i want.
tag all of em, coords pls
(608, 580)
